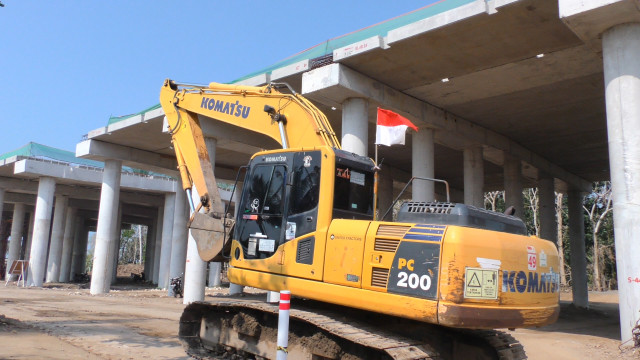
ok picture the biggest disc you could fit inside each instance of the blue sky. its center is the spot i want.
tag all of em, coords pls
(67, 66)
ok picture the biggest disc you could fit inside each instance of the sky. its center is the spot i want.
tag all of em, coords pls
(67, 66)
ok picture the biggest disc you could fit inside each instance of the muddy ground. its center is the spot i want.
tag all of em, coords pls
(63, 321)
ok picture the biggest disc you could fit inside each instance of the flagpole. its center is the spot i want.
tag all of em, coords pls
(375, 187)
(375, 181)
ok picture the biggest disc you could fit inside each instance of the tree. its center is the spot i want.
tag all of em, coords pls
(560, 216)
(598, 207)
(133, 245)
(494, 201)
(530, 216)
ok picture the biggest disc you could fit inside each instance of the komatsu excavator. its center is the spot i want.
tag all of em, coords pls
(434, 284)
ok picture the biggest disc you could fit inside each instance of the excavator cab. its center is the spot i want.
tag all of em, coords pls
(282, 194)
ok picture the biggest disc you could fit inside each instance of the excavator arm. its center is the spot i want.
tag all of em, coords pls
(289, 119)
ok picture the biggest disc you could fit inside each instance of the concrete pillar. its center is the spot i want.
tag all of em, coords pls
(179, 239)
(117, 233)
(27, 249)
(621, 51)
(195, 273)
(67, 244)
(167, 236)
(385, 193)
(158, 245)
(423, 165)
(215, 269)
(3, 244)
(355, 135)
(42, 218)
(150, 250)
(578, 252)
(107, 220)
(473, 176)
(79, 248)
(16, 237)
(57, 234)
(513, 184)
(3, 248)
(547, 206)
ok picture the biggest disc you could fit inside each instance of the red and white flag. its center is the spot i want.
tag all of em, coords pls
(391, 128)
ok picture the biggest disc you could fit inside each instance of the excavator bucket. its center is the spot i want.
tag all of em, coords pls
(212, 237)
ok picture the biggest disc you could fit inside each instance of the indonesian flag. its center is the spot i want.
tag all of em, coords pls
(391, 128)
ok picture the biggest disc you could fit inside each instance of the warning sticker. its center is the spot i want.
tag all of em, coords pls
(480, 283)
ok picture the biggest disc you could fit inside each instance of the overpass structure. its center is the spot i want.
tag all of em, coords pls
(507, 94)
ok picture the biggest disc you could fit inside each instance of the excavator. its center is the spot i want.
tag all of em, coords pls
(435, 283)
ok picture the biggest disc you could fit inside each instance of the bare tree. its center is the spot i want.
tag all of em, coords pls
(600, 207)
(531, 195)
(491, 199)
(560, 235)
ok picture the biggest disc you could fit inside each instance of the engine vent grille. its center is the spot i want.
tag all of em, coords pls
(392, 230)
(304, 254)
(430, 207)
(379, 277)
(389, 245)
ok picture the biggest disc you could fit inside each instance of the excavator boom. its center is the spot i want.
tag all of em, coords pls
(264, 110)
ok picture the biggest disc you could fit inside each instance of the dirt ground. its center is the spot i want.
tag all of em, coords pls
(63, 321)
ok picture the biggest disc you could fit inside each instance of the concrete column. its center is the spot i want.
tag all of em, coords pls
(578, 252)
(179, 239)
(195, 273)
(79, 248)
(385, 193)
(215, 269)
(15, 243)
(3, 248)
(167, 236)
(423, 165)
(107, 220)
(3, 244)
(42, 218)
(547, 196)
(621, 51)
(513, 184)
(2, 193)
(150, 250)
(117, 233)
(158, 245)
(473, 176)
(67, 244)
(57, 234)
(355, 135)
(27, 251)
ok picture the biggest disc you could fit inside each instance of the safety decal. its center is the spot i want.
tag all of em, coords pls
(306, 161)
(480, 283)
(543, 258)
(255, 204)
(290, 231)
(532, 258)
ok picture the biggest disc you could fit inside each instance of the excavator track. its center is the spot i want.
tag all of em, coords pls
(247, 329)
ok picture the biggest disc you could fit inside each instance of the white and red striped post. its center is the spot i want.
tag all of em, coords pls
(283, 324)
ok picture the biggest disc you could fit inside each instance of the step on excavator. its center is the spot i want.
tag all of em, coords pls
(435, 283)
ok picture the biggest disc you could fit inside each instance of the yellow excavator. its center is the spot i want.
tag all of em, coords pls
(434, 284)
